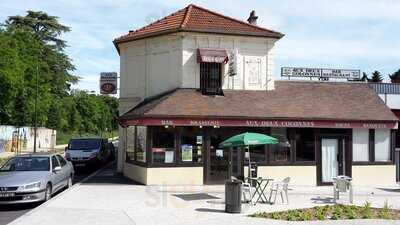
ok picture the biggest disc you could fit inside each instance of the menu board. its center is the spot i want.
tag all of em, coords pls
(187, 153)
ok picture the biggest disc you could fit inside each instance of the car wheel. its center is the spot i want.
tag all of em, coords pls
(48, 192)
(69, 184)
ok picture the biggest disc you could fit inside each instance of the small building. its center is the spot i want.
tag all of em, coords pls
(196, 77)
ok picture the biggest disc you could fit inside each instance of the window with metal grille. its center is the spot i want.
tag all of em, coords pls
(210, 78)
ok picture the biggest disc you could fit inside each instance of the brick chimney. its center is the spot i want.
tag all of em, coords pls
(252, 18)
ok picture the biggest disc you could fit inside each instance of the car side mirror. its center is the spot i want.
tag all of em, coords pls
(57, 169)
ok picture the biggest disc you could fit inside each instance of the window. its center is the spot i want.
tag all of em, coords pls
(141, 134)
(305, 145)
(54, 162)
(382, 145)
(61, 160)
(257, 153)
(163, 147)
(191, 144)
(130, 143)
(280, 152)
(360, 145)
(210, 78)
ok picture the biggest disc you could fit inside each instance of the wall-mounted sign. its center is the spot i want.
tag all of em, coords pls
(320, 73)
(108, 83)
(262, 123)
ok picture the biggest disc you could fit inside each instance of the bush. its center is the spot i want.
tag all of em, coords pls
(385, 212)
(321, 212)
(337, 212)
(350, 212)
(366, 211)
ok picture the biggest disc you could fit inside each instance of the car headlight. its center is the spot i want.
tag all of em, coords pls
(29, 187)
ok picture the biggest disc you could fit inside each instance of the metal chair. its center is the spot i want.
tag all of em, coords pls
(281, 188)
(342, 184)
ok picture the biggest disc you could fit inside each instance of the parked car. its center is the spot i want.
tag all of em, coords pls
(88, 151)
(34, 178)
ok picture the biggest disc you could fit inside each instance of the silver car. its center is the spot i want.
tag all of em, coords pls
(34, 178)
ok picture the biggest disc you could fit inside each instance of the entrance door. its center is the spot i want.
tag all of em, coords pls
(219, 161)
(329, 159)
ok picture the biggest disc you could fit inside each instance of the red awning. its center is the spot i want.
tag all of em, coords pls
(212, 55)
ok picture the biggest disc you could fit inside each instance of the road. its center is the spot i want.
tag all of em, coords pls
(12, 212)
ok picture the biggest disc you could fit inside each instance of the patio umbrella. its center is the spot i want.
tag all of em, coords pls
(248, 139)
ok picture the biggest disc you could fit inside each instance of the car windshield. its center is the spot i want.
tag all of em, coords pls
(83, 144)
(27, 164)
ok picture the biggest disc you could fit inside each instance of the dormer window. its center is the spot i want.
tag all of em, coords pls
(211, 61)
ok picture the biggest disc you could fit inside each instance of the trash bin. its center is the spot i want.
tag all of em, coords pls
(233, 196)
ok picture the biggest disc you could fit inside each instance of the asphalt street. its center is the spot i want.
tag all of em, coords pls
(12, 212)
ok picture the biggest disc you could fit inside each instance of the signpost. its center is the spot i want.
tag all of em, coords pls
(108, 83)
(320, 73)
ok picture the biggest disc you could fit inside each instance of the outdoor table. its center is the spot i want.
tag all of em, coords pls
(260, 185)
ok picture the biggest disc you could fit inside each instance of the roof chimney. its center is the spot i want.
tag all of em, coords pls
(252, 18)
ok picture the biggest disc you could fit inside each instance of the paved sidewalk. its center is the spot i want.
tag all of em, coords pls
(111, 199)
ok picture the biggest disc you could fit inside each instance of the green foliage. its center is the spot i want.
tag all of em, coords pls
(320, 212)
(376, 77)
(395, 77)
(385, 212)
(275, 216)
(366, 211)
(350, 212)
(337, 213)
(33, 64)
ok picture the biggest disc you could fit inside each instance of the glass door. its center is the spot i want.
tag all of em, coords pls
(219, 161)
(329, 159)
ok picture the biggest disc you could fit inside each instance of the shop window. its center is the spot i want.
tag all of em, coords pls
(360, 145)
(280, 152)
(130, 143)
(382, 145)
(141, 134)
(211, 78)
(257, 153)
(305, 145)
(191, 144)
(163, 147)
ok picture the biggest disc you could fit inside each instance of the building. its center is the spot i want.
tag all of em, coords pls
(196, 77)
(397, 147)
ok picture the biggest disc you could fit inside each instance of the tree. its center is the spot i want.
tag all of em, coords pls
(395, 77)
(364, 77)
(376, 77)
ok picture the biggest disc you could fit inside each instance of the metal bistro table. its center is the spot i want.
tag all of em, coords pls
(260, 185)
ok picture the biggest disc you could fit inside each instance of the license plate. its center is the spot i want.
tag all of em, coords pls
(7, 194)
(80, 164)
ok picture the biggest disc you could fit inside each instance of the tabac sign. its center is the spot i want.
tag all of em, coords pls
(320, 73)
(108, 83)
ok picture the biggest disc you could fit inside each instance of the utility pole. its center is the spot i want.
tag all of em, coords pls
(36, 99)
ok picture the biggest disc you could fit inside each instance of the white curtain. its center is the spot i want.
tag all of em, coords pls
(382, 145)
(360, 145)
(329, 159)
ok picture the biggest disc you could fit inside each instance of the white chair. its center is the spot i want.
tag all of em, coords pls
(247, 191)
(281, 188)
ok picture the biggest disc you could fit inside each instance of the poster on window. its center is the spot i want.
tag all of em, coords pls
(199, 140)
(219, 153)
(187, 153)
(141, 143)
(169, 157)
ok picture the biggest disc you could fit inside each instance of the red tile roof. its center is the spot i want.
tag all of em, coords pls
(289, 100)
(197, 19)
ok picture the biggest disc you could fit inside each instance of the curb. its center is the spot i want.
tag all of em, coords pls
(76, 185)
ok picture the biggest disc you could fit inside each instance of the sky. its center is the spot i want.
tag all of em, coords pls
(347, 34)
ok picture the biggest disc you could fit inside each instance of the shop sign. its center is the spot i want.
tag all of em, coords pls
(320, 73)
(262, 123)
(108, 83)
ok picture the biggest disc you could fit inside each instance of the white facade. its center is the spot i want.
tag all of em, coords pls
(155, 65)
(158, 64)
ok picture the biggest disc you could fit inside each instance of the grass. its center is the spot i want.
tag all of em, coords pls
(64, 137)
(334, 212)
